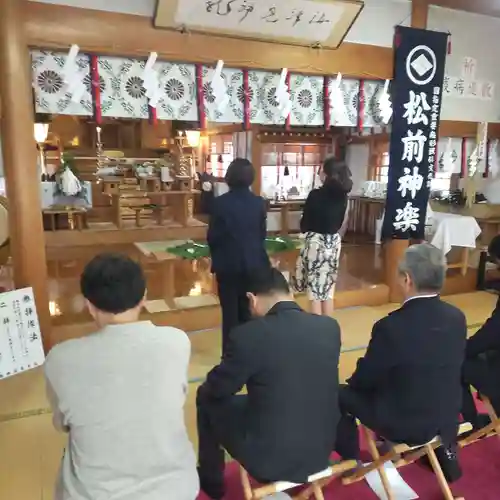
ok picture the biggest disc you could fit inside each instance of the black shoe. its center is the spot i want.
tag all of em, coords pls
(480, 422)
(213, 489)
(448, 460)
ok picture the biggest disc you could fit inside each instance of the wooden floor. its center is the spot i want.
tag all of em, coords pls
(190, 301)
(31, 449)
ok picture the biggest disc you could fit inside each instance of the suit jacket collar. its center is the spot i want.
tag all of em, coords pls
(285, 305)
(420, 299)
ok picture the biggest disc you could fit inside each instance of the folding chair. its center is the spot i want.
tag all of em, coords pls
(491, 429)
(316, 482)
(403, 454)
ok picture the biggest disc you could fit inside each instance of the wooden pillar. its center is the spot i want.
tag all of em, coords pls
(393, 253)
(20, 161)
(419, 13)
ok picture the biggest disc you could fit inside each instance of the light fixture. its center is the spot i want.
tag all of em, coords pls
(41, 131)
(193, 138)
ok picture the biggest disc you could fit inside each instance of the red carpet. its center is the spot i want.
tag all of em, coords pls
(480, 481)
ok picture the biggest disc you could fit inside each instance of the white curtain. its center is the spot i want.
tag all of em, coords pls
(242, 144)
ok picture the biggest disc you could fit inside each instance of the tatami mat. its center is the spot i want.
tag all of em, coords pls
(33, 450)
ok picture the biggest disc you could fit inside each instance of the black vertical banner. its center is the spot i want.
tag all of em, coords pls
(416, 90)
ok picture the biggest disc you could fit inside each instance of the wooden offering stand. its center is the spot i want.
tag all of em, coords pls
(65, 217)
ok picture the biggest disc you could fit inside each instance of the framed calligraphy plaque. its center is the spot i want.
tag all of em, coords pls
(21, 346)
(295, 22)
(417, 88)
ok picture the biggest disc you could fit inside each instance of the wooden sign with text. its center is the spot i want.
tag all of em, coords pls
(298, 22)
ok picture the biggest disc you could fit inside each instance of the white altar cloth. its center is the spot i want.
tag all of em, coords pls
(452, 230)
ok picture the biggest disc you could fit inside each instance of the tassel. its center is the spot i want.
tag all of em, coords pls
(464, 165)
(448, 48)
(397, 39)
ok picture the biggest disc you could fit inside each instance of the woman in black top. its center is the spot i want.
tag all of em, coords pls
(321, 223)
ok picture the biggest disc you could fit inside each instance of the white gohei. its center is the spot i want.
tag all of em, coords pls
(493, 158)
(71, 76)
(283, 96)
(219, 88)
(473, 162)
(151, 80)
(337, 99)
(386, 104)
(448, 159)
(70, 185)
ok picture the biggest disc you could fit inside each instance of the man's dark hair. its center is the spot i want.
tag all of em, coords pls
(267, 282)
(113, 283)
(240, 174)
(494, 247)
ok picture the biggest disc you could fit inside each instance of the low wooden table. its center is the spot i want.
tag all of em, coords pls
(158, 253)
(77, 217)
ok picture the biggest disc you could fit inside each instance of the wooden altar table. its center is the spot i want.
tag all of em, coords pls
(363, 213)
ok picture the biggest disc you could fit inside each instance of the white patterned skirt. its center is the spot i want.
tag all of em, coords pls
(317, 266)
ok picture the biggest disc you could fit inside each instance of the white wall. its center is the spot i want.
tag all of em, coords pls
(375, 25)
(476, 36)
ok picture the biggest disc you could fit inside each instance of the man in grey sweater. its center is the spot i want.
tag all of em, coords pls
(119, 394)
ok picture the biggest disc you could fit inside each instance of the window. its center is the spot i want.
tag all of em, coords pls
(441, 181)
(221, 155)
(382, 168)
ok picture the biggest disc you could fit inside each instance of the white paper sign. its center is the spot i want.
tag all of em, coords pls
(400, 489)
(461, 88)
(469, 66)
(301, 19)
(21, 346)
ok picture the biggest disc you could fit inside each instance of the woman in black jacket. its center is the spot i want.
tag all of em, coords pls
(321, 223)
(236, 237)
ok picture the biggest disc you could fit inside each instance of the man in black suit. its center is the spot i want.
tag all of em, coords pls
(407, 386)
(482, 364)
(284, 429)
